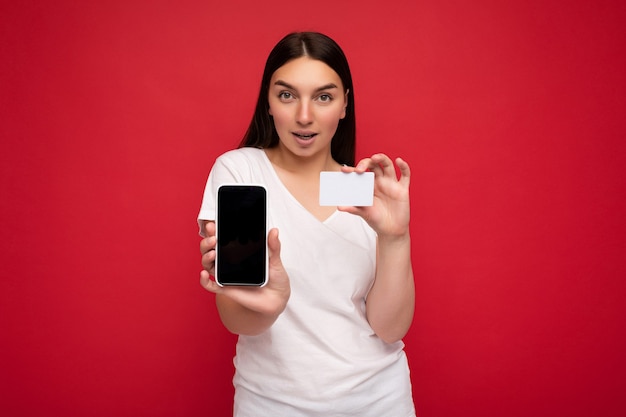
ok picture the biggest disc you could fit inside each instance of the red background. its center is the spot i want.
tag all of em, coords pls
(511, 115)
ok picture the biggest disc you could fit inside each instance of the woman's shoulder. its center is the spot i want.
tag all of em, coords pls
(243, 162)
(242, 155)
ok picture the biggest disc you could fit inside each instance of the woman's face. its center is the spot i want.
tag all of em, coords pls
(306, 99)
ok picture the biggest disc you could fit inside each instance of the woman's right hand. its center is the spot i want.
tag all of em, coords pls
(269, 300)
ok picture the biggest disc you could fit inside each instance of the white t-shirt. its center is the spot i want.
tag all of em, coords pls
(320, 357)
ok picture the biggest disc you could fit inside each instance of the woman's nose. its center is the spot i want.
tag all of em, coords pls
(305, 114)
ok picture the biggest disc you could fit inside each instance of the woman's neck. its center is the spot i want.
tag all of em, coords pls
(305, 166)
(301, 177)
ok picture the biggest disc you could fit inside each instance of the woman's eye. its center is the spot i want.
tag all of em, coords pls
(325, 98)
(285, 95)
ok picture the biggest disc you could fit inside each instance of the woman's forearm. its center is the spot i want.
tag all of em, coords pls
(391, 301)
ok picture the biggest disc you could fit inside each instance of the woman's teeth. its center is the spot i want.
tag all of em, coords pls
(305, 136)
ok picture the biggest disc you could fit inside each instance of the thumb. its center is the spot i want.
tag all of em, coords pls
(273, 244)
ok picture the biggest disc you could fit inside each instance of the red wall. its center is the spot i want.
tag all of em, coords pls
(510, 113)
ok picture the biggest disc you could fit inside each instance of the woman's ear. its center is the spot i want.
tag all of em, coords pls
(345, 104)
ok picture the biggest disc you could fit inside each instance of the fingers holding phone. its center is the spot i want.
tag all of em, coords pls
(268, 300)
(207, 247)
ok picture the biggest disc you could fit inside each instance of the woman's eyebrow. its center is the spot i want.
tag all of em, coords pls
(289, 86)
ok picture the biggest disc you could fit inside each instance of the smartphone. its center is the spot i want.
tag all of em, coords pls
(241, 232)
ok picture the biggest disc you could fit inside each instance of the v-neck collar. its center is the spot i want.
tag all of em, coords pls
(291, 196)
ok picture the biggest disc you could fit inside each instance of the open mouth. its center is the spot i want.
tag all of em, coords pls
(305, 136)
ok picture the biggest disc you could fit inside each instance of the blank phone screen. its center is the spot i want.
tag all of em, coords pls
(241, 235)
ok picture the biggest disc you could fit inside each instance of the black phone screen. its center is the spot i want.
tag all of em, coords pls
(241, 235)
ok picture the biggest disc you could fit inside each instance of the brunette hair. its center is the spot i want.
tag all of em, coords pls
(262, 134)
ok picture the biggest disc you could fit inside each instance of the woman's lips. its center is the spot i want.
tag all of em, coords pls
(305, 135)
(304, 139)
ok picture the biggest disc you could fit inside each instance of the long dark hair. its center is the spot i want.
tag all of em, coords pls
(262, 133)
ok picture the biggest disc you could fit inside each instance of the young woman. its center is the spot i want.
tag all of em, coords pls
(324, 336)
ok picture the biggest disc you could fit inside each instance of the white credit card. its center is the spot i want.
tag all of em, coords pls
(346, 189)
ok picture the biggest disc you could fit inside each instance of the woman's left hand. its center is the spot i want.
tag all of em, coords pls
(389, 215)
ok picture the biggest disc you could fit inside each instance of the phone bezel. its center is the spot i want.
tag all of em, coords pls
(222, 189)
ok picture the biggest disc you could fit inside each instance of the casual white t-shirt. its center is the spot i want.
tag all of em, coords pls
(320, 357)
